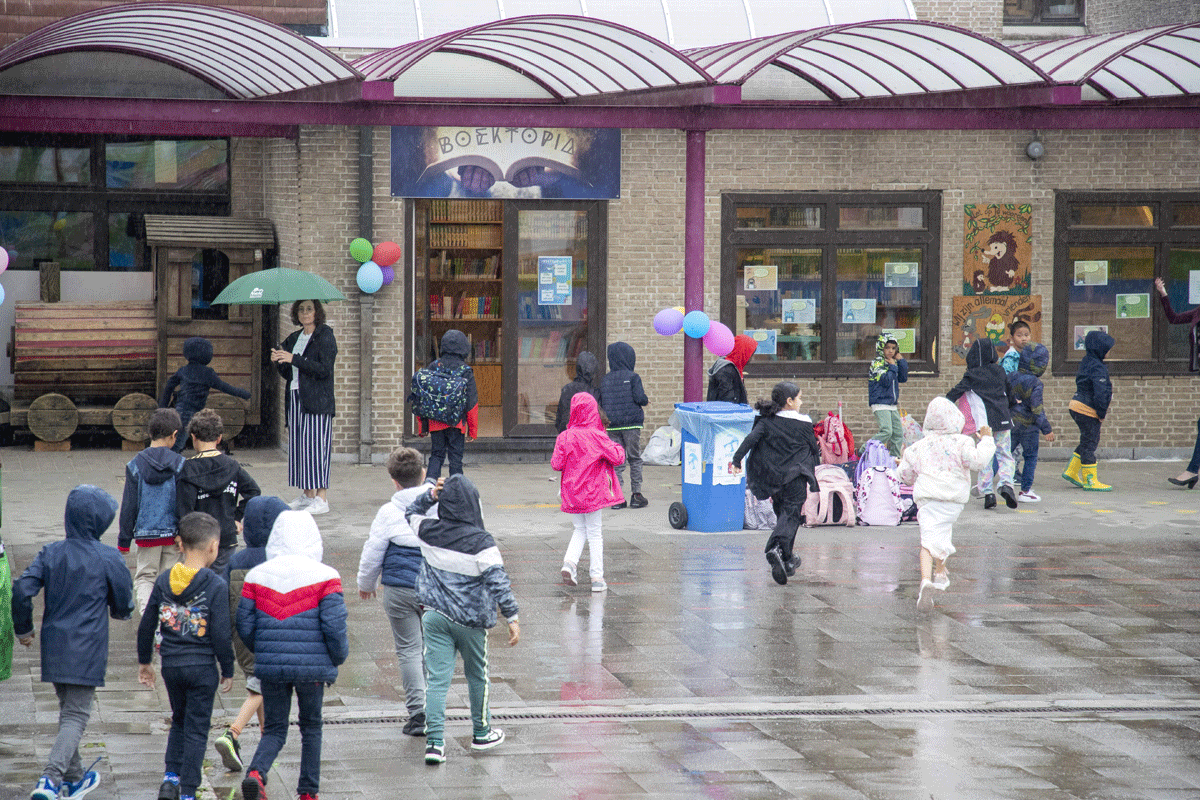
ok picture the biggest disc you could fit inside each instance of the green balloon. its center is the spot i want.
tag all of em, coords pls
(361, 250)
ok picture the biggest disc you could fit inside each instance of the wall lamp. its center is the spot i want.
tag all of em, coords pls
(1035, 149)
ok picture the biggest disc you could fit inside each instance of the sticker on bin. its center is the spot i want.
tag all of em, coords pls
(725, 444)
(693, 465)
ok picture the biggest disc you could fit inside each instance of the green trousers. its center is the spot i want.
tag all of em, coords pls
(444, 638)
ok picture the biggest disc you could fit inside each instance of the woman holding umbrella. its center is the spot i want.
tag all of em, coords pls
(305, 360)
(1190, 475)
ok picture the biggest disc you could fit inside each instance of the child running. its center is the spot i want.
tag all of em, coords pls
(189, 606)
(462, 580)
(783, 454)
(938, 467)
(1089, 406)
(83, 579)
(1028, 416)
(887, 372)
(391, 556)
(586, 457)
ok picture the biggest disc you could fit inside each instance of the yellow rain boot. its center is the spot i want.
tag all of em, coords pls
(1091, 482)
(1072, 472)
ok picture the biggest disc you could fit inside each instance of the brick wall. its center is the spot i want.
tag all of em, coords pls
(1106, 16)
(985, 17)
(280, 180)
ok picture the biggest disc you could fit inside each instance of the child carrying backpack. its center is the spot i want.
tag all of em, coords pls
(445, 401)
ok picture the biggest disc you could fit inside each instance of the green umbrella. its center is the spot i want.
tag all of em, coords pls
(278, 285)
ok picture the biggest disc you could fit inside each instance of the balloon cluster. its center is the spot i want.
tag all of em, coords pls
(377, 260)
(716, 335)
(3, 266)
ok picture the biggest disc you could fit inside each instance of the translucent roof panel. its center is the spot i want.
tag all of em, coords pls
(91, 74)
(462, 76)
(241, 55)
(565, 56)
(1156, 62)
(875, 59)
(680, 23)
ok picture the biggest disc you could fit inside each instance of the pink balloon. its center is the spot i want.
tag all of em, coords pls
(719, 339)
(3, 259)
(668, 322)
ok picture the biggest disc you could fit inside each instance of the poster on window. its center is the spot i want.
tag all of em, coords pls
(506, 162)
(906, 339)
(1081, 332)
(767, 338)
(1194, 287)
(1091, 273)
(901, 274)
(761, 278)
(997, 248)
(799, 311)
(989, 316)
(858, 311)
(554, 280)
(1133, 306)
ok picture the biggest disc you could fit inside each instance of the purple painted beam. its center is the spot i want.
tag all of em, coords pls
(693, 263)
(264, 118)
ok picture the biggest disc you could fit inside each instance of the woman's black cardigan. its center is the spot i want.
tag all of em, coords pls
(316, 367)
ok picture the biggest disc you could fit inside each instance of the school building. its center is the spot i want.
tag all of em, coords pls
(812, 173)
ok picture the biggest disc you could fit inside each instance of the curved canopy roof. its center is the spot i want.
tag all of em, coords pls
(1156, 62)
(548, 57)
(244, 57)
(885, 58)
(679, 23)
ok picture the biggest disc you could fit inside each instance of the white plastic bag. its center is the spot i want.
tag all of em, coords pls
(663, 448)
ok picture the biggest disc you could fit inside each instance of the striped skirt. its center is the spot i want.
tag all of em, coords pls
(310, 445)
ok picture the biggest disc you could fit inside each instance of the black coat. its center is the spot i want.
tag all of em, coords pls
(781, 450)
(213, 484)
(725, 383)
(621, 392)
(986, 378)
(1092, 386)
(586, 367)
(316, 369)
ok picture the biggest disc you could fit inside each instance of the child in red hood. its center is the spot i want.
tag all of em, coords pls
(726, 379)
(585, 456)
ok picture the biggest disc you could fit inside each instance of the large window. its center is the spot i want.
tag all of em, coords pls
(78, 200)
(817, 277)
(1043, 12)
(1108, 250)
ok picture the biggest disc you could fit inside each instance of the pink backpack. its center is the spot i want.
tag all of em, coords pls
(878, 496)
(833, 503)
(835, 439)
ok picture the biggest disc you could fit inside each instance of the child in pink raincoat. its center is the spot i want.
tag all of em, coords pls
(585, 456)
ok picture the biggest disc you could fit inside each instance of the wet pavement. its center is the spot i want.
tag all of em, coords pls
(1061, 662)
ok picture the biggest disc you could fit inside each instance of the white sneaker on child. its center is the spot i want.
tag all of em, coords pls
(1030, 497)
(568, 574)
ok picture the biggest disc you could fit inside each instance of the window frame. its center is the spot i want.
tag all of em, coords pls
(1162, 237)
(95, 198)
(1039, 18)
(829, 239)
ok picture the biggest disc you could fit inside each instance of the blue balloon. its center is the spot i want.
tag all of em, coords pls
(370, 277)
(696, 324)
(1, 295)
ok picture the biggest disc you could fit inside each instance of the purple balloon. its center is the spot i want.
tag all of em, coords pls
(668, 322)
(719, 339)
(389, 275)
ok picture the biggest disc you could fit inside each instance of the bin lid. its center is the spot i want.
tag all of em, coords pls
(716, 407)
(707, 420)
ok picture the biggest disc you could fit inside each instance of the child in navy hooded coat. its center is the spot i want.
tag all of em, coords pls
(623, 398)
(190, 384)
(83, 579)
(1089, 407)
(987, 379)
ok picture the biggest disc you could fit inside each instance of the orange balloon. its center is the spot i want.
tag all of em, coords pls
(386, 254)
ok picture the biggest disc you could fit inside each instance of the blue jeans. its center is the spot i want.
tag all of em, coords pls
(191, 691)
(1028, 439)
(277, 704)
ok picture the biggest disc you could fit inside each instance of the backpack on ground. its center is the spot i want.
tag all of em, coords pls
(874, 454)
(835, 439)
(440, 393)
(663, 448)
(833, 502)
(910, 505)
(760, 514)
(878, 497)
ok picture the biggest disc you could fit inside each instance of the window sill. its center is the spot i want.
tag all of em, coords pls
(1040, 32)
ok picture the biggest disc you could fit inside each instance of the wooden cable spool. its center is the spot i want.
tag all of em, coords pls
(232, 411)
(131, 416)
(53, 417)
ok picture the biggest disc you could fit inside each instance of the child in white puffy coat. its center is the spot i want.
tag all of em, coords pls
(939, 469)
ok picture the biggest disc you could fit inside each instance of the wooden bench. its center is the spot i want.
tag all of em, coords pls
(93, 353)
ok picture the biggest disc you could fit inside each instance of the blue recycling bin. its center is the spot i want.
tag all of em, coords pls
(713, 499)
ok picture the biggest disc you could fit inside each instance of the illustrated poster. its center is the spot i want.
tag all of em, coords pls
(990, 316)
(858, 311)
(1081, 332)
(693, 467)
(906, 338)
(725, 444)
(1091, 273)
(761, 278)
(554, 280)
(997, 248)
(901, 274)
(767, 338)
(799, 310)
(1133, 306)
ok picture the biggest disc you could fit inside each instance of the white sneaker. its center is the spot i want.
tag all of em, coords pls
(300, 502)
(599, 586)
(568, 574)
(925, 596)
(941, 581)
(1029, 497)
(318, 505)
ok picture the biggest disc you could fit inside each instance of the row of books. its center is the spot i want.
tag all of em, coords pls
(445, 266)
(531, 309)
(462, 306)
(466, 210)
(552, 346)
(487, 348)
